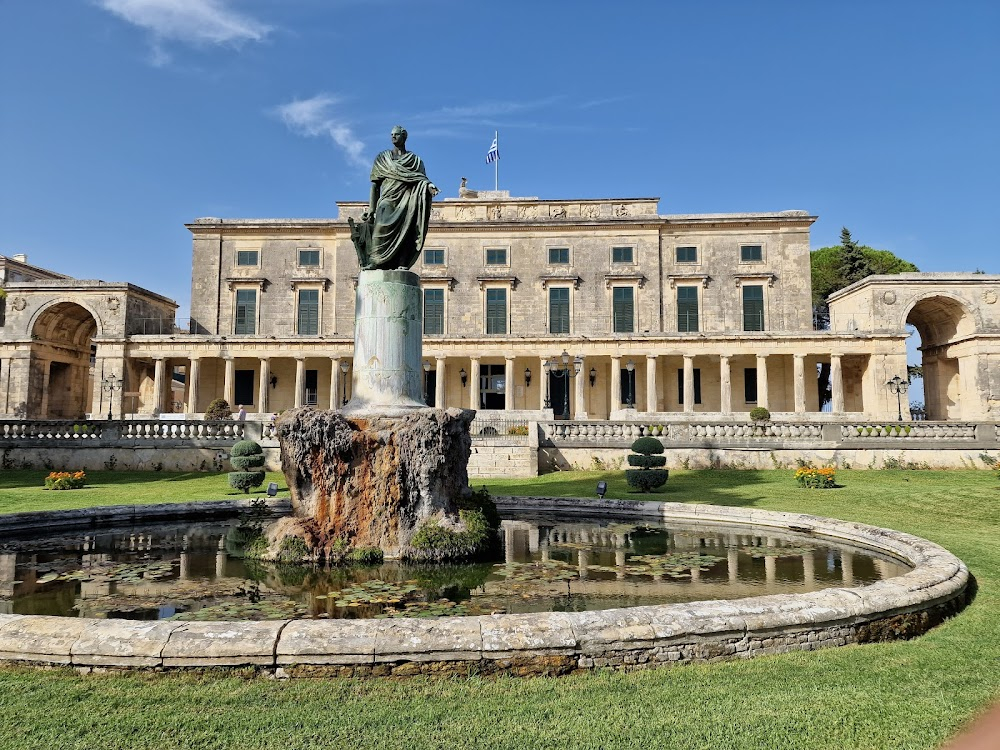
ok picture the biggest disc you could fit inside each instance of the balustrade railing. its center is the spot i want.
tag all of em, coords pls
(781, 430)
(178, 430)
(602, 431)
(23, 429)
(911, 431)
(500, 430)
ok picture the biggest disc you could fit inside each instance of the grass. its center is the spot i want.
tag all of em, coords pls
(912, 694)
(25, 490)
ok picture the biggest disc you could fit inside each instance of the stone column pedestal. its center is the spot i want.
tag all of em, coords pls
(387, 344)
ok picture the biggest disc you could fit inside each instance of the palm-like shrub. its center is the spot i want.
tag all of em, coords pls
(647, 457)
(247, 458)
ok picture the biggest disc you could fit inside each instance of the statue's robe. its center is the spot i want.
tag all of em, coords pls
(402, 213)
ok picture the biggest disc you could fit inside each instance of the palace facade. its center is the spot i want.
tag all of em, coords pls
(538, 309)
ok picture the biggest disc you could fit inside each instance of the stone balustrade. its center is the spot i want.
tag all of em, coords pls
(911, 431)
(15, 432)
(27, 429)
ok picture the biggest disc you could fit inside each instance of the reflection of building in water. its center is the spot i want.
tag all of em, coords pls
(8, 565)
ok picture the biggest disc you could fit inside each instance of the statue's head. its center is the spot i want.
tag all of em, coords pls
(398, 135)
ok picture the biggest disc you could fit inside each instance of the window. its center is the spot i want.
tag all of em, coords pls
(434, 311)
(622, 255)
(309, 257)
(753, 308)
(247, 257)
(697, 385)
(308, 312)
(496, 256)
(434, 256)
(246, 312)
(559, 255)
(687, 309)
(243, 387)
(687, 254)
(623, 309)
(496, 311)
(559, 309)
(312, 388)
(751, 253)
(750, 385)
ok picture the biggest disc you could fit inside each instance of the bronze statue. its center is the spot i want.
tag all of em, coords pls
(393, 229)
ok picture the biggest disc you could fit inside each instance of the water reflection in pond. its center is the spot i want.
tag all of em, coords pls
(194, 571)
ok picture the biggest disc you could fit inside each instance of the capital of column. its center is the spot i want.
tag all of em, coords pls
(799, 356)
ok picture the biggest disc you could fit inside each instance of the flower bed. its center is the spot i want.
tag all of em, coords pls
(823, 478)
(65, 480)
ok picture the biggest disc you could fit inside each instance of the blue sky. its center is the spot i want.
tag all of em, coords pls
(122, 119)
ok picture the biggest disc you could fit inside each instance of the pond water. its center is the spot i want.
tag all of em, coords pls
(194, 571)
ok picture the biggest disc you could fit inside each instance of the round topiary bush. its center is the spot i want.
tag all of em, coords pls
(646, 456)
(647, 462)
(218, 410)
(647, 446)
(760, 414)
(247, 457)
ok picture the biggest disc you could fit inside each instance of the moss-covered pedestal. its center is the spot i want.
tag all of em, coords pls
(399, 483)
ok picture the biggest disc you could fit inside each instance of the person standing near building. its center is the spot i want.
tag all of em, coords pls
(241, 415)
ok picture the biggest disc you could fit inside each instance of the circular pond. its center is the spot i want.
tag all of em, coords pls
(583, 583)
(196, 571)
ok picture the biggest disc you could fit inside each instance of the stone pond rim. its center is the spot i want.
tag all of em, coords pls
(522, 644)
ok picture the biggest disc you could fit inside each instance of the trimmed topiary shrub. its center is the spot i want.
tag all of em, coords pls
(646, 456)
(218, 410)
(760, 414)
(247, 457)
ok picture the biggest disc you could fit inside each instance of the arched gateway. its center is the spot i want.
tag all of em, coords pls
(60, 372)
(943, 322)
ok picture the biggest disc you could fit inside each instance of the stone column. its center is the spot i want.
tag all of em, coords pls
(809, 571)
(837, 384)
(616, 383)
(194, 372)
(725, 386)
(543, 384)
(334, 382)
(508, 378)
(474, 383)
(262, 384)
(651, 383)
(762, 399)
(300, 380)
(800, 383)
(439, 384)
(159, 369)
(227, 387)
(688, 383)
(580, 412)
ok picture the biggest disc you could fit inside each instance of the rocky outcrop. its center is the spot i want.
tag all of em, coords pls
(372, 481)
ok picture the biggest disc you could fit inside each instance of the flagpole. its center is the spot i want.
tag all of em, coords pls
(496, 162)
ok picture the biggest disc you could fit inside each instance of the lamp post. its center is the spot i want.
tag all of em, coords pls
(111, 384)
(564, 371)
(898, 386)
(630, 366)
(343, 380)
(427, 374)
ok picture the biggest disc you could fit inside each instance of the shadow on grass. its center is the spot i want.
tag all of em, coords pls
(711, 486)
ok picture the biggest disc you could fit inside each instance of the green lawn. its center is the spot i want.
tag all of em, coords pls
(900, 695)
(25, 490)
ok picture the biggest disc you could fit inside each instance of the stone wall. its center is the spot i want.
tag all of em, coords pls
(523, 644)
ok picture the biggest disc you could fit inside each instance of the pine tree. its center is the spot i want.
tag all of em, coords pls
(854, 264)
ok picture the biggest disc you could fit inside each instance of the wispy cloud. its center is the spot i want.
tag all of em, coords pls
(316, 117)
(196, 22)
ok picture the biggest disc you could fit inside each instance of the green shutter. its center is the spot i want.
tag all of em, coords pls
(496, 311)
(559, 310)
(434, 311)
(623, 303)
(687, 309)
(246, 312)
(308, 312)
(753, 308)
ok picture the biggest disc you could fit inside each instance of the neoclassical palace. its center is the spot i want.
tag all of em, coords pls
(532, 308)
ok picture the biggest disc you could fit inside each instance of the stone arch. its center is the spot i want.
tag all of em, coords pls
(942, 319)
(60, 377)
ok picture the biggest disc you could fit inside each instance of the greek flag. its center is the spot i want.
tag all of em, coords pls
(494, 153)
